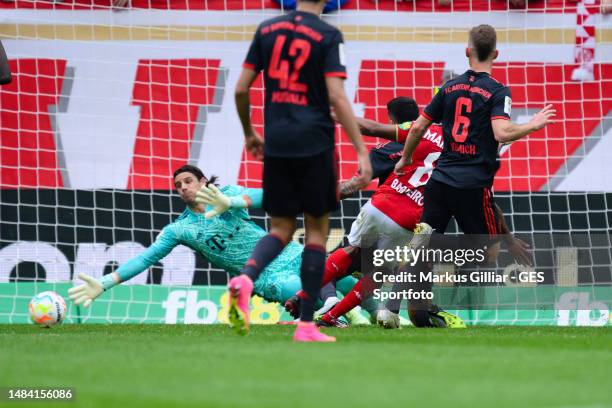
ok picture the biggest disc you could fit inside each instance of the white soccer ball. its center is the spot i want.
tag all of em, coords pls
(387, 319)
(47, 309)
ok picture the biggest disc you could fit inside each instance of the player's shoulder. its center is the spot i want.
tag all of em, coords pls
(273, 24)
(326, 27)
(328, 32)
(273, 20)
(491, 84)
(460, 79)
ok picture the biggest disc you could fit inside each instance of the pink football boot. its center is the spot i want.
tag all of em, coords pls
(240, 289)
(308, 332)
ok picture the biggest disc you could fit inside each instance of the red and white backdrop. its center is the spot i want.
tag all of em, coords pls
(119, 99)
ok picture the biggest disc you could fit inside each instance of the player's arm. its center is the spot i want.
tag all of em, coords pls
(349, 187)
(254, 142)
(5, 71)
(506, 131)
(417, 130)
(518, 248)
(92, 288)
(251, 68)
(372, 128)
(229, 197)
(344, 112)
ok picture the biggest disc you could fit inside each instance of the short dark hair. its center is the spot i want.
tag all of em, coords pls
(483, 40)
(188, 168)
(403, 109)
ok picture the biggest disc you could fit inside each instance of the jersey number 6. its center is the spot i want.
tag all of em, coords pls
(279, 68)
(461, 123)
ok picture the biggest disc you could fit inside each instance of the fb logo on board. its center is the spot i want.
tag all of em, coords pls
(576, 309)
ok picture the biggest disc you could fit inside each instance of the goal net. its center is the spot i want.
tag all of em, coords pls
(106, 103)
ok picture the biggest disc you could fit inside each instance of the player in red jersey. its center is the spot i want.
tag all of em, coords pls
(406, 214)
(387, 220)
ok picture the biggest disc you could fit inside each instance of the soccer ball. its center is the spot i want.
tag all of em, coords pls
(47, 309)
(388, 319)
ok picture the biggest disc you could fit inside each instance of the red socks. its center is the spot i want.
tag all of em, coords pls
(336, 267)
(351, 300)
(360, 291)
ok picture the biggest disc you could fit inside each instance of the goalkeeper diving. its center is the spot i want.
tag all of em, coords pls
(216, 225)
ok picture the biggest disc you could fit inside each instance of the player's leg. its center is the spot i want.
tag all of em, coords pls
(337, 265)
(280, 201)
(475, 212)
(477, 218)
(318, 195)
(313, 262)
(328, 297)
(436, 214)
(382, 232)
(370, 305)
(313, 266)
(364, 231)
(362, 290)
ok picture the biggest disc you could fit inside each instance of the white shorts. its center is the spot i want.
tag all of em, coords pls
(374, 229)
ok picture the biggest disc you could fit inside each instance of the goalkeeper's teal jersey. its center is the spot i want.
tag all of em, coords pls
(226, 241)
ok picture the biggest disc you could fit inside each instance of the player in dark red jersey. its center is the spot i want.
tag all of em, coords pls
(302, 59)
(474, 110)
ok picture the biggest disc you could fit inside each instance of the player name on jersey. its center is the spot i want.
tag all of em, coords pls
(401, 197)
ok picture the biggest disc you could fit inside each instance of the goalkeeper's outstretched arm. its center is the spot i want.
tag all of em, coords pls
(92, 288)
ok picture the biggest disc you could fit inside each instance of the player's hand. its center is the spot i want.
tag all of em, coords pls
(365, 170)
(544, 117)
(519, 250)
(255, 145)
(87, 292)
(211, 195)
(399, 167)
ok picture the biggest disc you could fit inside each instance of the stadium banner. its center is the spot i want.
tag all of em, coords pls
(575, 306)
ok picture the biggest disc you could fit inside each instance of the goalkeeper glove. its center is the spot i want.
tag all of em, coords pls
(220, 203)
(91, 289)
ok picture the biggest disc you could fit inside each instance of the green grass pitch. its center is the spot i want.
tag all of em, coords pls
(209, 366)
